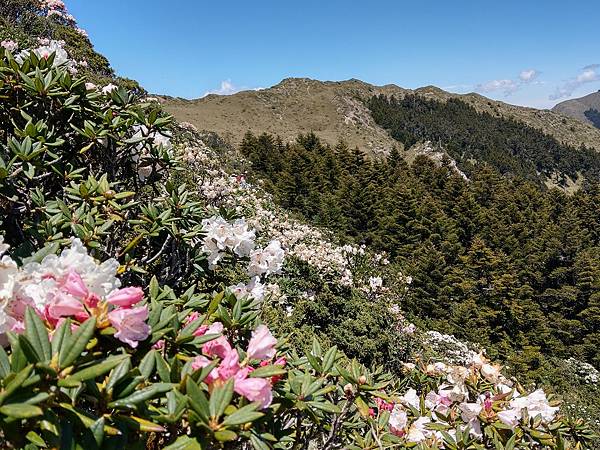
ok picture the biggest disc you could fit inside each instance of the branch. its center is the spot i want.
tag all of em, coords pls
(335, 426)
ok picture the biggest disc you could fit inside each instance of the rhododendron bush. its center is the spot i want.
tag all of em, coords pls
(132, 307)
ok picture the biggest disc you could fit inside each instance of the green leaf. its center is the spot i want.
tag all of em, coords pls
(243, 415)
(214, 303)
(362, 406)
(141, 396)
(197, 399)
(142, 424)
(257, 443)
(98, 369)
(325, 406)
(4, 363)
(62, 332)
(267, 371)
(42, 253)
(147, 364)
(21, 410)
(153, 288)
(162, 368)
(87, 420)
(97, 429)
(118, 373)
(184, 443)
(36, 439)
(225, 436)
(37, 335)
(15, 383)
(73, 347)
(220, 399)
(329, 359)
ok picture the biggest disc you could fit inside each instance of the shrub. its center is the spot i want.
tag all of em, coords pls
(183, 361)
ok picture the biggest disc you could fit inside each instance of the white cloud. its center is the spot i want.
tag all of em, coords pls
(587, 74)
(227, 88)
(529, 75)
(510, 86)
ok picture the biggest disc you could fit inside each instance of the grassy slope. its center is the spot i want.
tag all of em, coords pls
(333, 110)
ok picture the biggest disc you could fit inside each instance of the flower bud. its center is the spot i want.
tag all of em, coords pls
(348, 390)
(362, 380)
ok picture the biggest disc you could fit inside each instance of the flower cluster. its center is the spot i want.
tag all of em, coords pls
(9, 45)
(46, 48)
(301, 241)
(57, 8)
(222, 237)
(70, 286)
(469, 398)
(260, 348)
(454, 350)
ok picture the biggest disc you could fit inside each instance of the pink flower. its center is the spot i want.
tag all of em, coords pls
(74, 285)
(64, 305)
(382, 405)
(262, 344)
(230, 365)
(126, 297)
(159, 345)
(217, 347)
(18, 327)
(191, 317)
(201, 362)
(130, 324)
(201, 330)
(254, 389)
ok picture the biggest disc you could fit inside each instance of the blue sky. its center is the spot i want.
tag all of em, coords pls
(528, 52)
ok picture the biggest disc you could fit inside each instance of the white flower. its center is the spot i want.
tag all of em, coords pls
(409, 329)
(536, 404)
(510, 417)
(491, 372)
(53, 4)
(3, 247)
(398, 419)
(266, 261)
(221, 236)
(38, 279)
(418, 431)
(109, 88)
(8, 274)
(254, 289)
(375, 283)
(412, 399)
(9, 45)
(90, 86)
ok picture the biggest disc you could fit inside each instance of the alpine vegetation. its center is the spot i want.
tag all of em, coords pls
(150, 297)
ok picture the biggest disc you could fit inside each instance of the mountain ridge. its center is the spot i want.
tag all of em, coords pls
(335, 111)
(577, 107)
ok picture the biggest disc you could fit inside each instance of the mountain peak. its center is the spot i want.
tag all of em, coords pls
(578, 107)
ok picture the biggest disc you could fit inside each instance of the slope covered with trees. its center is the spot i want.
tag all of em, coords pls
(593, 115)
(495, 260)
(471, 137)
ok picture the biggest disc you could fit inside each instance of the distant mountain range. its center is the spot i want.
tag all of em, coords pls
(336, 110)
(586, 109)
